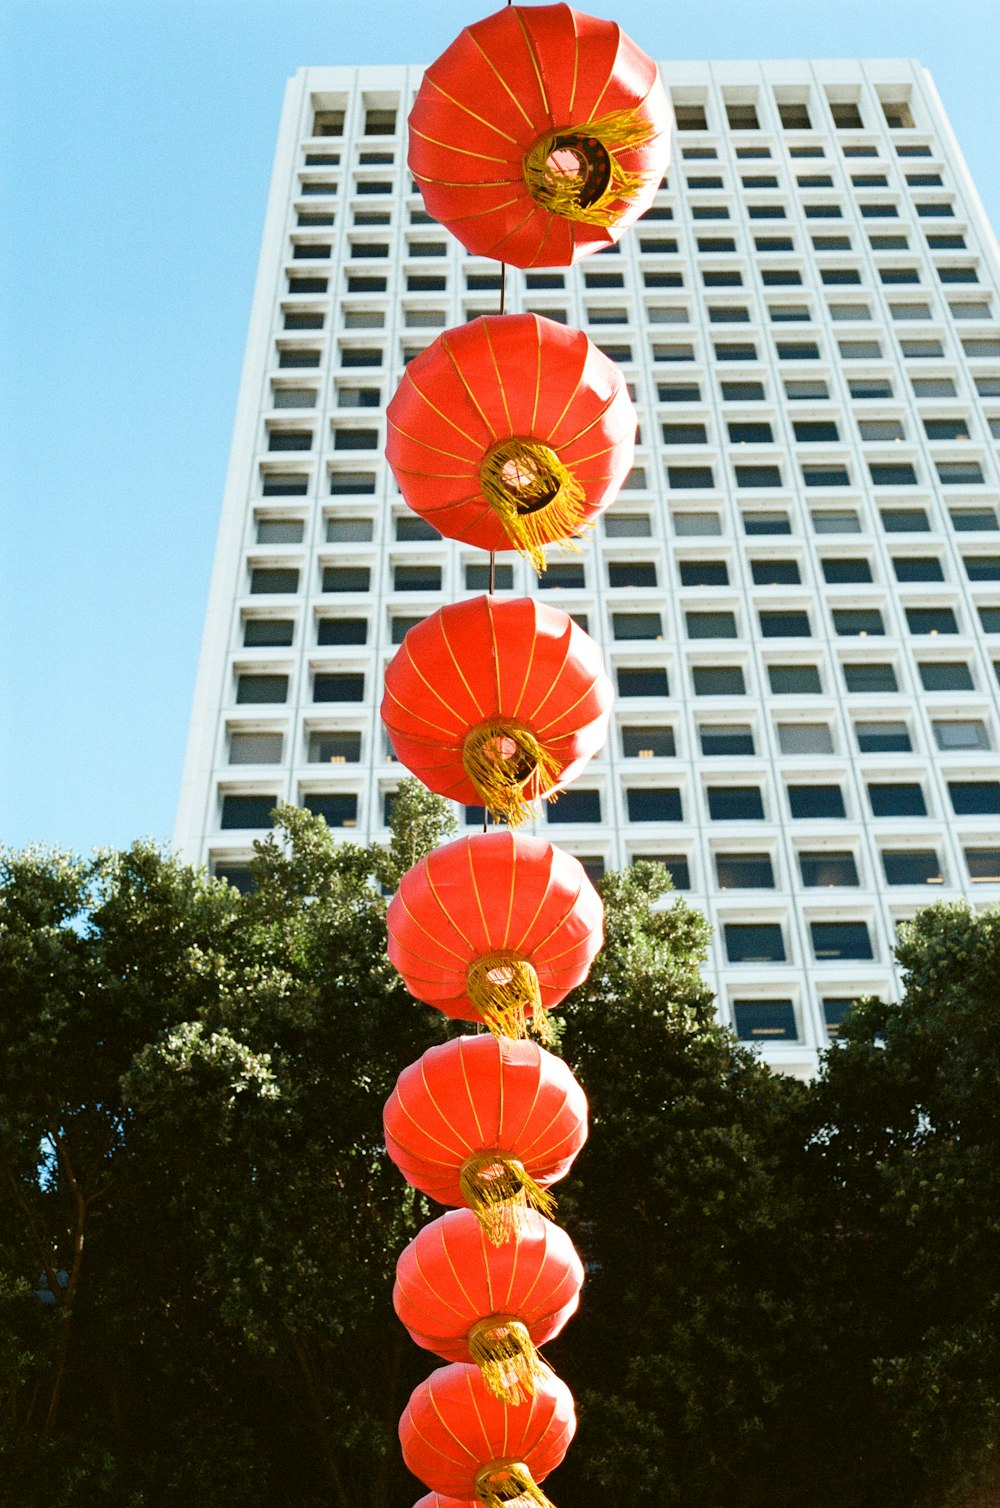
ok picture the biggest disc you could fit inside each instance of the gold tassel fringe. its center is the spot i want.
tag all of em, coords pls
(498, 1191)
(534, 494)
(505, 1354)
(564, 193)
(509, 1484)
(504, 989)
(508, 767)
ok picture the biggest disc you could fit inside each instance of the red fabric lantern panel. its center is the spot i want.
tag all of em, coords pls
(488, 1124)
(539, 135)
(496, 926)
(461, 1296)
(462, 1441)
(435, 1500)
(497, 701)
(511, 432)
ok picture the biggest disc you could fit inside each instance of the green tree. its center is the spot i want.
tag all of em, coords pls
(905, 1162)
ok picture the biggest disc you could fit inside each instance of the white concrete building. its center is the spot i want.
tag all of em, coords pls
(799, 591)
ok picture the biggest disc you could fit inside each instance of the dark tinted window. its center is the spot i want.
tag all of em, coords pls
(575, 806)
(823, 869)
(899, 799)
(735, 803)
(816, 801)
(974, 797)
(247, 811)
(654, 804)
(744, 871)
(645, 681)
(754, 942)
(841, 940)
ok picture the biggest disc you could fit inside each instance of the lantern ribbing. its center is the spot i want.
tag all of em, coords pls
(501, 703)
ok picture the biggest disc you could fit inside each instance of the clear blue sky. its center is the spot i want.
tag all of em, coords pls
(138, 137)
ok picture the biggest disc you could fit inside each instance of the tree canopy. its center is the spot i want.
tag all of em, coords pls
(791, 1294)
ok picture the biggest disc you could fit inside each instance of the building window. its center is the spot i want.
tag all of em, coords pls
(745, 433)
(627, 526)
(654, 804)
(735, 803)
(346, 579)
(863, 622)
(744, 871)
(838, 570)
(334, 748)
(255, 748)
(758, 476)
(960, 473)
(355, 439)
(575, 806)
(563, 576)
(826, 476)
(832, 940)
(965, 520)
(754, 942)
(338, 688)
(766, 522)
(794, 680)
(637, 625)
(917, 568)
(684, 434)
(974, 798)
(945, 675)
(818, 801)
(805, 738)
(898, 799)
(273, 580)
(825, 869)
(775, 572)
(691, 524)
(726, 739)
(904, 520)
(279, 531)
(631, 573)
(765, 1021)
(352, 483)
(275, 633)
(247, 811)
(812, 431)
(721, 625)
(787, 625)
(681, 477)
(416, 578)
(337, 810)
(867, 677)
(648, 680)
(477, 577)
(342, 631)
(648, 742)
(982, 567)
(955, 734)
(911, 866)
(892, 474)
(703, 573)
(883, 738)
(742, 392)
(252, 688)
(676, 866)
(931, 620)
(718, 680)
(984, 865)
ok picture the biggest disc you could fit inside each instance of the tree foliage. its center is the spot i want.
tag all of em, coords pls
(791, 1294)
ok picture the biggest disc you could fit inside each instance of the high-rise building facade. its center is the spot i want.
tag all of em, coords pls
(798, 590)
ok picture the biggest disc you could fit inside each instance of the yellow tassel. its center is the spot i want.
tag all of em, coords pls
(576, 172)
(504, 990)
(498, 1191)
(509, 1484)
(505, 1354)
(534, 494)
(508, 767)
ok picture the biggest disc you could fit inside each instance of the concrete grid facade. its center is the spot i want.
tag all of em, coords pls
(797, 592)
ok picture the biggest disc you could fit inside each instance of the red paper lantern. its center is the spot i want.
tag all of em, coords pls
(498, 701)
(511, 432)
(496, 927)
(435, 1500)
(489, 1124)
(539, 135)
(462, 1441)
(466, 1299)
